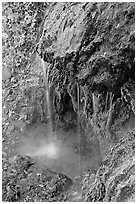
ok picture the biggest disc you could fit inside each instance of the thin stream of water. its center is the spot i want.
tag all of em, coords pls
(46, 77)
(78, 126)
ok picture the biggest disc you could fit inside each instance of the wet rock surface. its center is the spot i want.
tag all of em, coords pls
(88, 49)
(98, 52)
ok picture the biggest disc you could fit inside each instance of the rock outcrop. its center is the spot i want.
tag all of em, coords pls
(89, 51)
(90, 47)
(115, 179)
(24, 181)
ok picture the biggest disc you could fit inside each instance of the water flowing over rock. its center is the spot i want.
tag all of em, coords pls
(71, 66)
(91, 44)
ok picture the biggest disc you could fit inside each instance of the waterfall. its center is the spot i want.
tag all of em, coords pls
(78, 125)
(46, 67)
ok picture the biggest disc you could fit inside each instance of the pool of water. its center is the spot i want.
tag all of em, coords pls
(62, 151)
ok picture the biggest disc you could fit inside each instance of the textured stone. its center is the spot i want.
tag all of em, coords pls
(90, 45)
(115, 179)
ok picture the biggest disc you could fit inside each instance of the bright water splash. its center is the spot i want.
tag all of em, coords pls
(50, 150)
(58, 154)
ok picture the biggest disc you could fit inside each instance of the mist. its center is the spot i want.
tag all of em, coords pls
(59, 152)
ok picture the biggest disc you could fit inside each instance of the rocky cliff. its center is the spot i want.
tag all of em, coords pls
(90, 47)
(89, 52)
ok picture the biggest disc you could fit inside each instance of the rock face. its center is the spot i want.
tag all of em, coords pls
(115, 179)
(90, 47)
(89, 52)
(92, 43)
